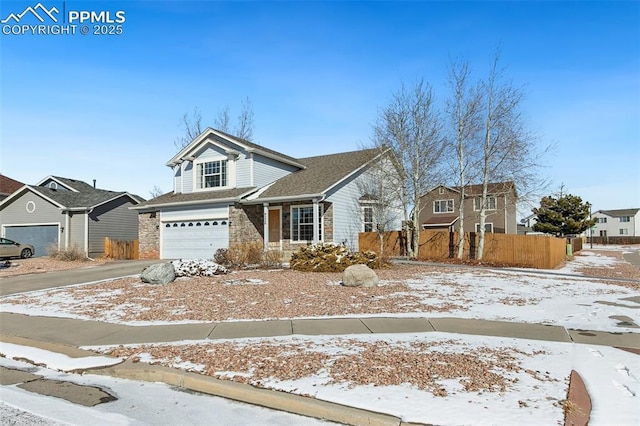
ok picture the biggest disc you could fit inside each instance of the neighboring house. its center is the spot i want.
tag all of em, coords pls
(231, 191)
(525, 227)
(439, 208)
(8, 186)
(62, 213)
(617, 223)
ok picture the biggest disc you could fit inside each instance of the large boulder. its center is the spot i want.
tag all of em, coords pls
(359, 276)
(158, 273)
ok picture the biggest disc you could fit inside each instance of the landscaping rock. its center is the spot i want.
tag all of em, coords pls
(159, 273)
(198, 268)
(359, 276)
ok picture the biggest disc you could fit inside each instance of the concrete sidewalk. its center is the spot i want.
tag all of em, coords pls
(78, 333)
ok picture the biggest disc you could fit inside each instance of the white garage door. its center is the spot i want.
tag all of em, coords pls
(197, 239)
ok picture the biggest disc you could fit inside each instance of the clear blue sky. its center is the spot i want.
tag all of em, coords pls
(108, 107)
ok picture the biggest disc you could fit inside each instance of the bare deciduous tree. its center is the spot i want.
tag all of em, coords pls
(192, 124)
(379, 208)
(244, 130)
(509, 151)
(221, 122)
(410, 126)
(463, 112)
(155, 191)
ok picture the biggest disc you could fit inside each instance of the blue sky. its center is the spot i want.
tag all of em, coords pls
(108, 107)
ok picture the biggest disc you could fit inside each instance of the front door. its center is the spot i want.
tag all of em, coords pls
(275, 230)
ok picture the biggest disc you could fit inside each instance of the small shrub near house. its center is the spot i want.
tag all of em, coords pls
(68, 255)
(326, 257)
(245, 255)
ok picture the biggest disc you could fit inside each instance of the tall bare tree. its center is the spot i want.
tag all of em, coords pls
(192, 124)
(463, 110)
(221, 122)
(244, 129)
(509, 151)
(379, 208)
(410, 126)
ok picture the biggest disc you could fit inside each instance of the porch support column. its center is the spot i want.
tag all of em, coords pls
(316, 221)
(265, 224)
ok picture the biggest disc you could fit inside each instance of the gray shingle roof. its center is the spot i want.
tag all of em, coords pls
(620, 212)
(256, 146)
(86, 196)
(320, 174)
(171, 198)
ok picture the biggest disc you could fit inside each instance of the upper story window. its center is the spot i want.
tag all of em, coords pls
(443, 206)
(625, 218)
(491, 203)
(212, 174)
(602, 220)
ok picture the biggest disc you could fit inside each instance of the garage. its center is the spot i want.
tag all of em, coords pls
(41, 237)
(197, 239)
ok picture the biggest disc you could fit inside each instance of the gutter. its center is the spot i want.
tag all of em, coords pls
(300, 197)
(187, 203)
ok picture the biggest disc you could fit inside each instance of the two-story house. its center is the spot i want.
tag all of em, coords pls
(616, 223)
(440, 208)
(230, 191)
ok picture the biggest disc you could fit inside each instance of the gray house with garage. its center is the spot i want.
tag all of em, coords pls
(228, 191)
(61, 213)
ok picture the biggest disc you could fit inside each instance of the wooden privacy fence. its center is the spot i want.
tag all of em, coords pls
(533, 251)
(119, 249)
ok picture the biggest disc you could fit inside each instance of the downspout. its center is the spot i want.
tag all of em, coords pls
(265, 224)
(86, 233)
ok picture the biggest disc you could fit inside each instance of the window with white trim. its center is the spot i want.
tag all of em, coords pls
(212, 174)
(367, 218)
(443, 206)
(624, 231)
(491, 203)
(625, 218)
(602, 220)
(488, 227)
(302, 224)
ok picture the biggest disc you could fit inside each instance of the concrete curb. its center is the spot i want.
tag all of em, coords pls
(306, 406)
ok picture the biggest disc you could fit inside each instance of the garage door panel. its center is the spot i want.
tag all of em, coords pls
(194, 239)
(41, 237)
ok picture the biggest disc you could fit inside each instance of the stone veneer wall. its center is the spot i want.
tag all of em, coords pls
(245, 224)
(149, 235)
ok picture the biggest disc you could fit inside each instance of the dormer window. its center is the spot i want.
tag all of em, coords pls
(212, 174)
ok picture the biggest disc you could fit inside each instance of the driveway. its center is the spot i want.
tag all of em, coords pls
(32, 282)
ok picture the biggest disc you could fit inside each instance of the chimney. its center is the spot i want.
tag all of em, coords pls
(94, 183)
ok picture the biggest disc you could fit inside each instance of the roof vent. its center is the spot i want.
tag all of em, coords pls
(94, 183)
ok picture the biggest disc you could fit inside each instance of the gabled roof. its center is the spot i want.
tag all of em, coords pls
(620, 212)
(80, 195)
(320, 175)
(225, 195)
(8, 185)
(245, 144)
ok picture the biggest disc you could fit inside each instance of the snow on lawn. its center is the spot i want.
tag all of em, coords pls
(443, 378)
(575, 302)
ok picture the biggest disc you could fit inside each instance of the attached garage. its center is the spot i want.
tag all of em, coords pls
(41, 237)
(196, 239)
